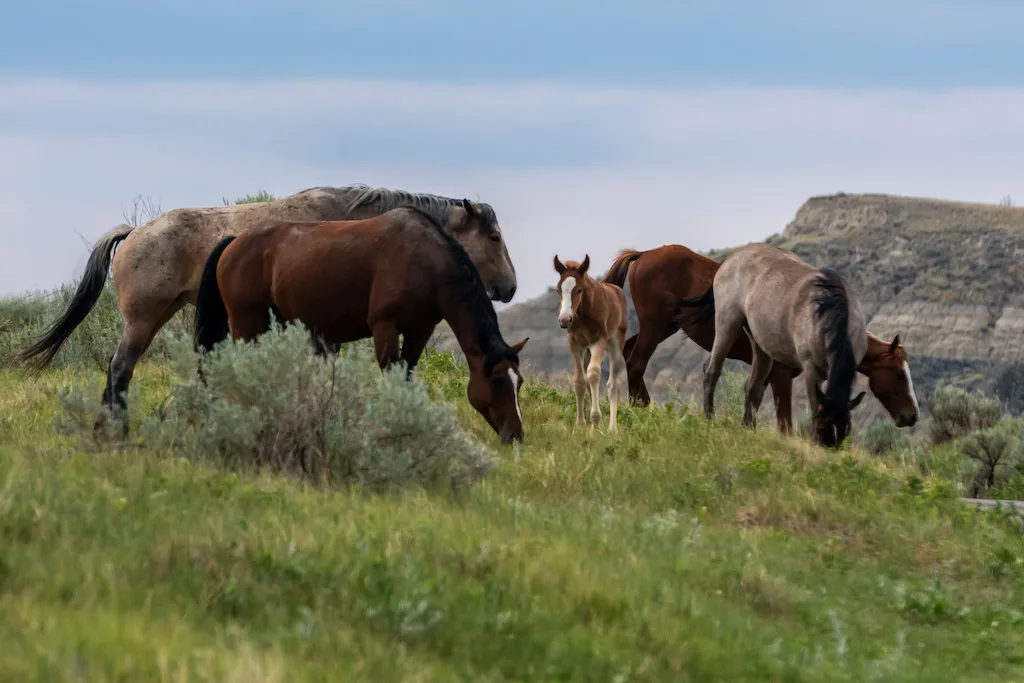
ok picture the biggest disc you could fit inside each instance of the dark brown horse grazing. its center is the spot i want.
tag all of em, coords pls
(396, 274)
(679, 273)
(158, 265)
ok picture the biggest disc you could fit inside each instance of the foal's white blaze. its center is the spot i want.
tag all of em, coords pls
(566, 295)
(910, 385)
(515, 392)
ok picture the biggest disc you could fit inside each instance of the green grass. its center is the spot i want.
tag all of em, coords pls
(676, 551)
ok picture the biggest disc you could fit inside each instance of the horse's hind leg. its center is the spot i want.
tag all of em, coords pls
(638, 355)
(728, 324)
(761, 366)
(139, 332)
(616, 375)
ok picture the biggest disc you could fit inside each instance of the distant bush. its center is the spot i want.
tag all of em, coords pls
(997, 452)
(1010, 387)
(957, 412)
(883, 436)
(260, 196)
(274, 405)
(23, 319)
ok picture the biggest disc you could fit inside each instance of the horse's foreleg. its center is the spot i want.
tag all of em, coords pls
(814, 397)
(579, 380)
(385, 343)
(413, 344)
(597, 351)
(760, 367)
(782, 395)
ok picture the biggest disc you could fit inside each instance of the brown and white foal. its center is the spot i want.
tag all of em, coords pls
(595, 316)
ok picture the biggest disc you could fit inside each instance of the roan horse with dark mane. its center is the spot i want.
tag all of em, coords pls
(400, 273)
(677, 272)
(805, 317)
(158, 267)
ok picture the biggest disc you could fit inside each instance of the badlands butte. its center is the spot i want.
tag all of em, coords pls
(947, 276)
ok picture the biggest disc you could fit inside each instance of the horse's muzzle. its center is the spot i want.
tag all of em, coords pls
(507, 436)
(564, 322)
(904, 421)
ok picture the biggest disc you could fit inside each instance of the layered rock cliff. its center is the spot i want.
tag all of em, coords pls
(947, 276)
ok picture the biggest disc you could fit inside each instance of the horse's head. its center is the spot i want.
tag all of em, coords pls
(889, 379)
(476, 227)
(572, 282)
(494, 391)
(832, 427)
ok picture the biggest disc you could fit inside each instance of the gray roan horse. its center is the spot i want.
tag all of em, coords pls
(158, 267)
(798, 315)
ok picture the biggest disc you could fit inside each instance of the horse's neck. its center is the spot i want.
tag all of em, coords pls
(461, 321)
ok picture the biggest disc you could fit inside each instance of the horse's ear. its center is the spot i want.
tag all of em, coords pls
(583, 266)
(469, 207)
(895, 344)
(519, 347)
(559, 266)
(856, 401)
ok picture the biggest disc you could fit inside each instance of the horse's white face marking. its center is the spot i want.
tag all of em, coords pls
(565, 311)
(515, 391)
(910, 385)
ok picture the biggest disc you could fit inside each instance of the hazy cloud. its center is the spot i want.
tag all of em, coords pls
(569, 169)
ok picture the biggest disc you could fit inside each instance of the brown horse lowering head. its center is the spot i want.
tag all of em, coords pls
(889, 379)
(476, 226)
(572, 283)
(494, 391)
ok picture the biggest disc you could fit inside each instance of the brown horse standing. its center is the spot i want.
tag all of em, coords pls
(397, 274)
(675, 272)
(595, 316)
(158, 266)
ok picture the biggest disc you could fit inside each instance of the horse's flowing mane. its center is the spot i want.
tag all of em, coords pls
(832, 309)
(469, 289)
(437, 207)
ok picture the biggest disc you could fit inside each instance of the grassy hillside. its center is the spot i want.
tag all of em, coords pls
(677, 550)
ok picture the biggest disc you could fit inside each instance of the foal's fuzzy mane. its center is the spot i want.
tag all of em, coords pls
(437, 207)
(469, 289)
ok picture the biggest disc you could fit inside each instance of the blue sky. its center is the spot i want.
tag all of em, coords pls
(590, 126)
(868, 43)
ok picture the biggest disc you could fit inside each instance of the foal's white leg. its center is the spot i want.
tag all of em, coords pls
(579, 380)
(594, 379)
(615, 371)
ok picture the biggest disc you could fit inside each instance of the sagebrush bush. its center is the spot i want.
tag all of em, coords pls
(957, 412)
(275, 405)
(996, 452)
(883, 436)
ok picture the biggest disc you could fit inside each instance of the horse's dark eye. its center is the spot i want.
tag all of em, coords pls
(495, 238)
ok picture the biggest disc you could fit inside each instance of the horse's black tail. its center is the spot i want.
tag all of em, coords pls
(86, 295)
(211, 321)
(698, 310)
(616, 274)
(832, 310)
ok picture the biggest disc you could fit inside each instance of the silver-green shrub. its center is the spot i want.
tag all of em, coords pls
(275, 405)
(957, 412)
(883, 436)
